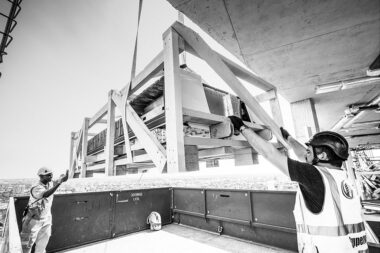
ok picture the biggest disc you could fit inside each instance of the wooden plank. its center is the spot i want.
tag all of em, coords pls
(245, 156)
(95, 158)
(355, 141)
(237, 70)
(118, 150)
(143, 161)
(78, 141)
(191, 158)
(190, 115)
(304, 116)
(99, 166)
(276, 109)
(221, 130)
(125, 126)
(173, 104)
(246, 75)
(98, 116)
(84, 146)
(193, 92)
(157, 103)
(215, 62)
(150, 143)
(265, 96)
(144, 158)
(120, 101)
(212, 163)
(154, 67)
(72, 142)
(110, 137)
(207, 142)
(141, 158)
(215, 152)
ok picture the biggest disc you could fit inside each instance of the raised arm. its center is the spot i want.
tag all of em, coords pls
(297, 147)
(63, 178)
(262, 146)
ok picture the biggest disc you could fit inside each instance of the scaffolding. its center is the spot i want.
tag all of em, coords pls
(9, 10)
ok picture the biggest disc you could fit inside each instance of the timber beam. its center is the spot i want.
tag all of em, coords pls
(97, 118)
(219, 66)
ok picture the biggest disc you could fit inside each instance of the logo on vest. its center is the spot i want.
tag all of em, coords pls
(347, 190)
(357, 241)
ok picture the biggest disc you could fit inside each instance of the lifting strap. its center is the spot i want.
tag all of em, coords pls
(133, 69)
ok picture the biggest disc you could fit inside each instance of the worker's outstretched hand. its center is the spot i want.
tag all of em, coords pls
(284, 133)
(237, 122)
(64, 177)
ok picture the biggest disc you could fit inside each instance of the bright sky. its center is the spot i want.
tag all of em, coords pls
(65, 57)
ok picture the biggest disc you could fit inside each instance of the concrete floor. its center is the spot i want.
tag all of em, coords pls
(174, 238)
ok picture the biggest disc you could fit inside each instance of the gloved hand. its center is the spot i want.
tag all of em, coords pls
(237, 122)
(63, 177)
(284, 133)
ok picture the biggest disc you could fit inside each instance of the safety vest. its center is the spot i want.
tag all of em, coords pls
(339, 226)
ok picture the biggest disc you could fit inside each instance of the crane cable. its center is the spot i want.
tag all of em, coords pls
(133, 69)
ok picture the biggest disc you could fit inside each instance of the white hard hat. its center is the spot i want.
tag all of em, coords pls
(44, 171)
(154, 219)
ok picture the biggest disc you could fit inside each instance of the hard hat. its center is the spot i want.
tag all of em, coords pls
(44, 171)
(336, 142)
(154, 219)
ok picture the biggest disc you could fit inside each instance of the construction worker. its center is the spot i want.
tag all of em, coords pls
(36, 228)
(327, 209)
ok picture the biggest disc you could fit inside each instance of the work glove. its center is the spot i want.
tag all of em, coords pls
(236, 122)
(63, 177)
(284, 133)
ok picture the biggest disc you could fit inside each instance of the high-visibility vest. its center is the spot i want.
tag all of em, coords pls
(339, 226)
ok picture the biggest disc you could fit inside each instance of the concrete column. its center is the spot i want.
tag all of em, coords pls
(304, 119)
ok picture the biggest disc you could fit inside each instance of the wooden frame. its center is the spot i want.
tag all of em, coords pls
(173, 104)
(177, 38)
(220, 67)
(109, 148)
(86, 122)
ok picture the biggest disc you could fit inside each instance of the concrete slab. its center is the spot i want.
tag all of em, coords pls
(297, 45)
(172, 239)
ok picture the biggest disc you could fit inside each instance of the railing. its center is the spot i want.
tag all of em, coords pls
(260, 216)
(10, 241)
(83, 218)
(9, 26)
(263, 217)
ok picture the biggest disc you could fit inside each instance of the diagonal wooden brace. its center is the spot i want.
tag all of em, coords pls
(75, 151)
(220, 67)
(150, 143)
(121, 100)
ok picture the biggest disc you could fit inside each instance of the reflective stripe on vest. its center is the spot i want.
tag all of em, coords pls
(331, 231)
(335, 195)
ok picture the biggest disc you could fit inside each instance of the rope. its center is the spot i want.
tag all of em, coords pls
(133, 69)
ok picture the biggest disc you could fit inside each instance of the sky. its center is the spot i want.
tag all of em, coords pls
(65, 57)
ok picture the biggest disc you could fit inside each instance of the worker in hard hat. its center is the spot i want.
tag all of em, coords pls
(327, 209)
(37, 222)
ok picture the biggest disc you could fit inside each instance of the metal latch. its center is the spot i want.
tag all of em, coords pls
(80, 218)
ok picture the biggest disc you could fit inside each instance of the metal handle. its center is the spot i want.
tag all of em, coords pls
(80, 218)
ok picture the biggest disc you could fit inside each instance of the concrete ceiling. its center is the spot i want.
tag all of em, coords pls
(298, 44)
